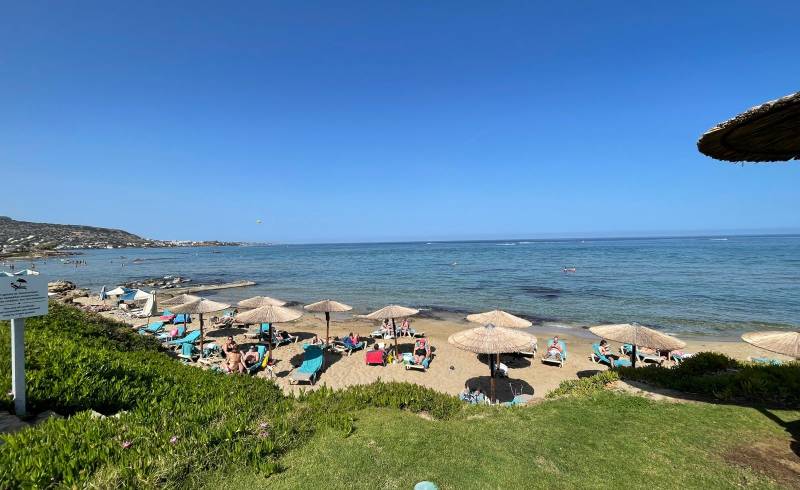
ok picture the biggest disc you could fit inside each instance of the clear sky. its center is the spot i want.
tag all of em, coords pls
(370, 121)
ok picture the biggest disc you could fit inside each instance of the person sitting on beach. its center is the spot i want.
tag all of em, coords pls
(229, 346)
(316, 340)
(234, 362)
(251, 357)
(354, 339)
(421, 351)
(606, 350)
(467, 395)
(405, 328)
(554, 349)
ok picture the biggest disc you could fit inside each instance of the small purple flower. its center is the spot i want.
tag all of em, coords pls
(127, 444)
(173, 439)
(263, 434)
(263, 425)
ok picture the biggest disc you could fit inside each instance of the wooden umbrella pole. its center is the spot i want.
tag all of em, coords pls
(327, 328)
(201, 335)
(394, 332)
(269, 344)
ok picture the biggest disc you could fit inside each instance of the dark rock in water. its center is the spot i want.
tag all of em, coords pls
(60, 287)
(542, 292)
(166, 282)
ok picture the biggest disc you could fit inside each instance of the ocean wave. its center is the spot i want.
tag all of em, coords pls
(507, 244)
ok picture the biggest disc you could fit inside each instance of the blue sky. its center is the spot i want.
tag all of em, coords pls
(370, 121)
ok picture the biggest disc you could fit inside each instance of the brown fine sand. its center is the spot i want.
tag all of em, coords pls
(450, 368)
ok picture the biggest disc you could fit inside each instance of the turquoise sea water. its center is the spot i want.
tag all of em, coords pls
(701, 285)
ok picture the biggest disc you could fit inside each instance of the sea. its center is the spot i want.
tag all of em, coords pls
(711, 286)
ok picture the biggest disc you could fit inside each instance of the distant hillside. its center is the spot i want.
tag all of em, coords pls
(19, 237)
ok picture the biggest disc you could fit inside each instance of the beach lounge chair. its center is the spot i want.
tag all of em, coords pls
(599, 358)
(287, 339)
(182, 318)
(188, 352)
(344, 346)
(626, 349)
(152, 327)
(262, 351)
(766, 361)
(560, 359)
(312, 364)
(409, 363)
(375, 358)
(530, 353)
(167, 316)
(381, 334)
(190, 338)
(180, 332)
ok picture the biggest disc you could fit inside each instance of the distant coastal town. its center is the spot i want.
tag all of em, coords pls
(23, 239)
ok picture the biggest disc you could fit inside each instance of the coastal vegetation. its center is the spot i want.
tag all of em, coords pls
(136, 417)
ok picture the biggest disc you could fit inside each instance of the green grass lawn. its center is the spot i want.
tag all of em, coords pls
(608, 440)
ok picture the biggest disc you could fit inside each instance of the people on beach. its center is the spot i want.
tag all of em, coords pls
(229, 346)
(234, 362)
(316, 340)
(386, 327)
(554, 349)
(251, 357)
(405, 328)
(606, 350)
(421, 350)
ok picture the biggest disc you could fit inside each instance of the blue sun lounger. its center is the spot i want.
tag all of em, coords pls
(188, 352)
(166, 335)
(561, 359)
(190, 338)
(597, 357)
(182, 318)
(765, 361)
(312, 364)
(152, 327)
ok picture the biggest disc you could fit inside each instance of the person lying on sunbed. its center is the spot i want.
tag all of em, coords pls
(234, 362)
(316, 340)
(421, 351)
(230, 345)
(282, 335)
(652, 354)
(554, 349)
(251, 357)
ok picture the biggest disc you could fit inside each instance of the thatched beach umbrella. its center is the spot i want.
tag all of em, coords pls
(259, 301)
(637, 335)
(392, 312)
(268, 314)
(200, 307)
(180, 299)
(490, 340)
(766, 133)
(498, 318)
(327, 306)
(786, 343)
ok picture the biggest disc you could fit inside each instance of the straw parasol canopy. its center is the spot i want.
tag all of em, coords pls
(786, 343)
(638, 336)
(327, 306)
(499, 318)
(180, 299)
(200, 307)
(766, 133)
(490, 339)
(259, 301)
(268, 314)
(390, 313)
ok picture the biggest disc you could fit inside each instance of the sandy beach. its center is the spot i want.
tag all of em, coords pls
(450, 368)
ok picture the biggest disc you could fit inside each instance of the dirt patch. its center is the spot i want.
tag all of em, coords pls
(773, 458)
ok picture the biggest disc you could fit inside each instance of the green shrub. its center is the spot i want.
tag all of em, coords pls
(726, 379)
(585, 386)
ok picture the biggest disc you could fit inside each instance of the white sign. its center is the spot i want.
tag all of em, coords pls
(22, 296)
